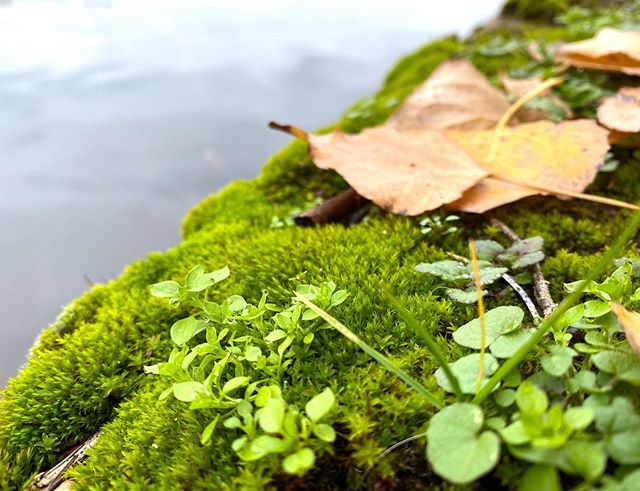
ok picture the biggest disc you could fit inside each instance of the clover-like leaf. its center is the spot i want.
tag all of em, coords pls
(558, 361)
(523, 253)
(620, 424)
(626, 366)
(531, 399)
(498, 321)
(466, 371)
(507, 344)
(457, 450)
(448, 270)
(488, 249)
(463, 296)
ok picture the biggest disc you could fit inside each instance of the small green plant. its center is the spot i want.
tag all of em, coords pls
(599, 422)
(232, 357)
(494, 261)
(438, 226)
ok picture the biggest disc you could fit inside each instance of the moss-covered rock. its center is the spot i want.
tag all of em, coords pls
(86, 371)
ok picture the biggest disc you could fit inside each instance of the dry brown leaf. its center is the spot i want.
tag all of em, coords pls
(563, 156)
(406, 173)
(520, 87)
(611, 49)
(630, 322)
(621, 112)
(456, 95)
(488, 194)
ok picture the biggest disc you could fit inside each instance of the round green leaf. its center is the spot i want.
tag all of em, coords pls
(466, 371)
(188, 391)
(558, 361)
(165, 289)
(219, 275)
(197, 280)
(236, 303)
(498, 321)
(578, 418)
(506, 345)
(320, 405)
(456, 450)
(252, 353)
(271, 415)
(626, 366)
(300, 462)
(183, 330)
(531, 399)
(325, 432)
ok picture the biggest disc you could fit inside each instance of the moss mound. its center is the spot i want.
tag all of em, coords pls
(86, 371)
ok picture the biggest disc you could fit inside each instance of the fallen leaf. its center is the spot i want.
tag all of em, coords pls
(456, 95)
(538, 156)
(630, 322)
(406, 173)
(611, 49)
(490, 193)
(521, 87)
(621, 114)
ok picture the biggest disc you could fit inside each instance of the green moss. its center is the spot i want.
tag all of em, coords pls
(85, 373)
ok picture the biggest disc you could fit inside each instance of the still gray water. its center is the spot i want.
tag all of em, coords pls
(116, 117)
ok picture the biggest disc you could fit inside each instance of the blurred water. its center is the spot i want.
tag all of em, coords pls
(117, 116)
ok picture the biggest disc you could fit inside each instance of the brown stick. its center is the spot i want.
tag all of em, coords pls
(346, 207)
(292, 130)
(53, 479)
(540, 285)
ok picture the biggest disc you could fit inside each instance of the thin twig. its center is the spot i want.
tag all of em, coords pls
(400, 443)
(513, 284)
(542, 293)
(540, 285)
(523, 295)
(53, 479)
(348, 207)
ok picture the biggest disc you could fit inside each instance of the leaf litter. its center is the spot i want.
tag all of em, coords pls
(449, 144)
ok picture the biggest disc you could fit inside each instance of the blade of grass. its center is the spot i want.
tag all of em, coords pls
(379, 357)
(629, 231)
(428, 341)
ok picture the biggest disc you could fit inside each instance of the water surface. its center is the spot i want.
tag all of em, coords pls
(116, 117)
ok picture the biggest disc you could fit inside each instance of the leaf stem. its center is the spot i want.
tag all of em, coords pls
(504, 120)
(629, 231)
(476, 278)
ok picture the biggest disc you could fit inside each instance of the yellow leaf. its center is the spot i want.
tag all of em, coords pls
(456, 95)
(404, 172)
(541, 154)
(611, 49)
